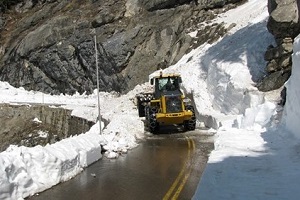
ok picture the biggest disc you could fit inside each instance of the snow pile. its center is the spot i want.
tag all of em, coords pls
(220, 78)
(292, 106)
(26, 171)
(259, 116)
(261, 159)
(251, 165)
(125, 127)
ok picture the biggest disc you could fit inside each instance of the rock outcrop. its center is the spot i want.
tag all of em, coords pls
(284, 24)
(49, 45)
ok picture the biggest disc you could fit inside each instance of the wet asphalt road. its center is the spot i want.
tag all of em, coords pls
(165, 166)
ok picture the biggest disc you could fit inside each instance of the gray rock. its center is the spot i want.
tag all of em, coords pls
(25, 6)
(51, 47)
(273, 81)
(284, 18)
(133, 7)
(284, 24)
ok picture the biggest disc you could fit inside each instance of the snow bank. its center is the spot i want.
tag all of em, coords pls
(292, 106)
(252, 162)
(258, 116)
(251, 165)
(220, 78)
(26, 171)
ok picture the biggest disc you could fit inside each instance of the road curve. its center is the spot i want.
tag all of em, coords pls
(166, 166)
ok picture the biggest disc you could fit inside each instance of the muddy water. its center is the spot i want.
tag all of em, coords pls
(18, 127)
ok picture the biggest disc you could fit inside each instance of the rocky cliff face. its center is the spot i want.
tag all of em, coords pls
(284, 24)
(48, 45)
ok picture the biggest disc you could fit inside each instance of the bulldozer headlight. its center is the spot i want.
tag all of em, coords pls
(186, 101)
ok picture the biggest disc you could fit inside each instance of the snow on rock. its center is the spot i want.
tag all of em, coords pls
(36, 120)
(245, 15)
(292, 106)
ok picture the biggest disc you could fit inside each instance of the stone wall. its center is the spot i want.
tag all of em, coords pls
(37, 125)
(284, 24)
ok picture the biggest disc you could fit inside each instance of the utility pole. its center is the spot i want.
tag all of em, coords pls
(98, 91)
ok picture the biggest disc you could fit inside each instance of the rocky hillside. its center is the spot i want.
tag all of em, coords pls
(48, 45)
(284, 24)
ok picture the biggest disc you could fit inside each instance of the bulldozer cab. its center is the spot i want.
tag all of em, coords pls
(166, 105)
(166, 85)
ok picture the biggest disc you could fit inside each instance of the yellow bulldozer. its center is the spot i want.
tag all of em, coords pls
(166, 105)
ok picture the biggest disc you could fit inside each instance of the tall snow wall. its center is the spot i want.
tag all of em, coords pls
(292, 106)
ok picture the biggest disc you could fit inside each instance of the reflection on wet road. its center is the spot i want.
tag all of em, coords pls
(165, 166)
